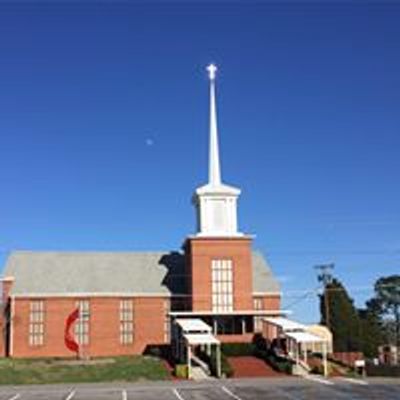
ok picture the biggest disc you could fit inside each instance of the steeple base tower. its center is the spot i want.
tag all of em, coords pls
(219, 272)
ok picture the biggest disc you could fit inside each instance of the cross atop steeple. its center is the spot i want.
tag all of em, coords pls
(212, 69)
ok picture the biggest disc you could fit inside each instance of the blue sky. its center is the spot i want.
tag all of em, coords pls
(103, 130)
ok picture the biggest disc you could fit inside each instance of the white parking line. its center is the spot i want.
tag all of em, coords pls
(318, 379)
(177, 394)
(70, 395)
(233, 395)
(353, 380)
(124, 395)
(15, 397)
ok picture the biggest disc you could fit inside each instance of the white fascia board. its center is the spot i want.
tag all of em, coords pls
(95, 294)
(229, 313)
(275, 294)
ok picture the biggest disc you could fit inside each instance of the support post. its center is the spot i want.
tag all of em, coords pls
(215, 326)
(218, 360)
(189, 361)
(325, 359)
(305, 353)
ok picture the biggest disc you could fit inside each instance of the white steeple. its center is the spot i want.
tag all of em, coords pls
(214, 170)
(216, 203)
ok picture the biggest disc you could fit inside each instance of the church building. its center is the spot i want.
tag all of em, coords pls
(93, 303)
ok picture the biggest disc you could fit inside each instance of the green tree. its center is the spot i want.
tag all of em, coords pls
(386, 303)
(340, 315)
(372, 333)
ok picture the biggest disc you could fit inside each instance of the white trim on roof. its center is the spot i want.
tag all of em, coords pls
(228, 313)
(267, 293)
(95, 294)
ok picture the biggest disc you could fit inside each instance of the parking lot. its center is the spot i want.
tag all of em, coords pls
(243, 389)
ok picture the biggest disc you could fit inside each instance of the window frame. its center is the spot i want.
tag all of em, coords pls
(222, 285)
(36, 329)
(126, 322)
(82, 325)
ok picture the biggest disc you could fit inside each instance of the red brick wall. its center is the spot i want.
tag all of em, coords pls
(270, 302)
(348, 358)
(201, 251)
(104, 327)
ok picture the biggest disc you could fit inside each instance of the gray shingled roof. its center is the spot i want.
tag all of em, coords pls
(111, 272)
(263, 279)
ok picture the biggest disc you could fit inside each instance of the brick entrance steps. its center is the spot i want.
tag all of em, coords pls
(247, 366)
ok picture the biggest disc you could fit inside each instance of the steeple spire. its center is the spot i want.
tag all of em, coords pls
(216, 203)
(214, 170)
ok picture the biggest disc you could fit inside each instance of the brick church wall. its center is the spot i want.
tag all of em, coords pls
(201, 252)
(271, 301)
(104, 327)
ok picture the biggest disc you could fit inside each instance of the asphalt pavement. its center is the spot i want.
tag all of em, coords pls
(231, 389)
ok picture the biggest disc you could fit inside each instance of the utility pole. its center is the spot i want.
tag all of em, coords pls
(325, 277)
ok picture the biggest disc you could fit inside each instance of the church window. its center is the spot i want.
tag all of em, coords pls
(222, 285)
(126, 321)
(167, 321)
(82, 324)
(36, 323)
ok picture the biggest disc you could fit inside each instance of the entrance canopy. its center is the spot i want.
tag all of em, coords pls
(189, 333)
(304, 337)
(200, 339)
(285, 324)
(298, 340)
(193, 325)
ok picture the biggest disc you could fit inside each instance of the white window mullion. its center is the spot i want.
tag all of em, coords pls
(222, 285)
(126, 321)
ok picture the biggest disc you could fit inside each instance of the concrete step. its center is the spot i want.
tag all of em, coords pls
(198, 374)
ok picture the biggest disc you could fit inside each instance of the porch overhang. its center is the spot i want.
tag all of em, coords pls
(209, 313)
(200, 339)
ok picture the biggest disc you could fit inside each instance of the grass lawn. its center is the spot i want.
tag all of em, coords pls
(128, 369)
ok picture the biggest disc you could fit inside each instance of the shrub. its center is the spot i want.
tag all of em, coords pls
(238, 349)
(383, 370)
(159, 351)
(226, 368)
(181, 371)
(278, 364)
(317, 370)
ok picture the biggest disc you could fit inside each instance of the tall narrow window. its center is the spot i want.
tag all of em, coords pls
(36, 323)
(167, 322)
(222, 285)
(82, 324)
(258, 306)
(126, 321)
